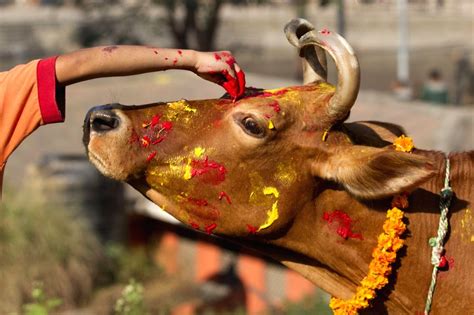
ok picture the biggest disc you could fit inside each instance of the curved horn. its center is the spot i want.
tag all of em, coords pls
(348, 72)
(314, 57)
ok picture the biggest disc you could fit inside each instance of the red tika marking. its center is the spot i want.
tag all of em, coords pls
(223, 194)
(159, 140)
(151, 156)
(343, 224)
(210, 228)
(145, 141)
(155, 120)
(134, 137)
(198, 202)
(252, 229)
(325, 31)
(275, 106)
(167, 125)
(214, 172)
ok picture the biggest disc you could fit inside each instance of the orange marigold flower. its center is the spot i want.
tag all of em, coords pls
(404, 144)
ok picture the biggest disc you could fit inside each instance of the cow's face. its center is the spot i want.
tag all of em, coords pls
(215, 162)
(248, 167)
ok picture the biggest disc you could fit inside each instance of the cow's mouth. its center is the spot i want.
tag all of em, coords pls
(153, 195)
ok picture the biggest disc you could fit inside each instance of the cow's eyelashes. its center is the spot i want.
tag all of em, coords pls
(250, 126)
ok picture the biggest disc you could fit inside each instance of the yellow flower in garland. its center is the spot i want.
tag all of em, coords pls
(404, 144)
(389, 242)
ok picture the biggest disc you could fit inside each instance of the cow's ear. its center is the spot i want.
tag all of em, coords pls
(372, 173)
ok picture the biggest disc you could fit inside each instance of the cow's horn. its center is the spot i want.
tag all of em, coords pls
(314, 57)
(348, 72)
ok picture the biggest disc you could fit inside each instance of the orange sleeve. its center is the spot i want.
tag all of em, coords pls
(29, 97)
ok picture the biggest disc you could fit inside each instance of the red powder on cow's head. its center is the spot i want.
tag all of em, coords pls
(252, 229)
(275, 106)
(151, 156)
(343, 224)
(134, 137)
(209, 171)
(194, 225)
(210, 228)
(145, 141)
(223, 194)
(198, 202)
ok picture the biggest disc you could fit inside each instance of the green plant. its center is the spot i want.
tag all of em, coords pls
(46, 244)
(125, 263)
(41, 304)
(131, 301)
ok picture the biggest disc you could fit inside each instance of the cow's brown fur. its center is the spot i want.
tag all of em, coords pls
(355, 170)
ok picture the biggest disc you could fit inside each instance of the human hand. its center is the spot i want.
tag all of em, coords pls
(221, 68)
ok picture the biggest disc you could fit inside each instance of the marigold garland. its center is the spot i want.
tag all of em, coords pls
(389, 242)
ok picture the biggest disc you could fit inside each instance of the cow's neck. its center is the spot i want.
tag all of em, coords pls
(341, 263)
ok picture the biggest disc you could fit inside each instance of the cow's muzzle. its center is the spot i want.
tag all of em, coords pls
(100, 119)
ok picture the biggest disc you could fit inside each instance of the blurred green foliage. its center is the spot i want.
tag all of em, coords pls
(131, 300)
(41, 305)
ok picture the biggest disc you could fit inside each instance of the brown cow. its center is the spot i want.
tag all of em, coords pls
(268, 170)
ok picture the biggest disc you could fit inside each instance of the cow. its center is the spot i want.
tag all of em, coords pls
(280, 171)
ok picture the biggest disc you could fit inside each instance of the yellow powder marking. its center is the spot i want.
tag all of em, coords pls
(326, 87)
(285, 174)
(271, 125)
(179, 109)
(274, 91)
(187, 170)
(272, 214)
(199, 151)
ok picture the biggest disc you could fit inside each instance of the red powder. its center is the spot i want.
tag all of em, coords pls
(343, 223)
(198, 202)
(151, 156)
(156, 53)
(180, 52)
(133, 137)
(210, 228)
(109, 49)
(252, 229)
(159, 140)
(325, 31)
(145, 141)
(223, 194)
(167, 125)
(217, 56)
(175, 61)
(194, 225)
(155, 120)
(275, 106)
(209, 171)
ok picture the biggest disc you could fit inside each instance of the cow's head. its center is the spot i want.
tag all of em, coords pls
(248, 167)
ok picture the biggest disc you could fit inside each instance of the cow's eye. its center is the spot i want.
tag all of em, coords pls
(252, 127)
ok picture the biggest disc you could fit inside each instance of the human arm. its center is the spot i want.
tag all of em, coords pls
(96, 62)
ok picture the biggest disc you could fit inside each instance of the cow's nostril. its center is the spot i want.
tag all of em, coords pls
(104, 121)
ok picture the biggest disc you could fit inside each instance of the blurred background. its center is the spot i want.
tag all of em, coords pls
(73, 242)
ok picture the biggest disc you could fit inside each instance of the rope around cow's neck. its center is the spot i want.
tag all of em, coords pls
(437, 242)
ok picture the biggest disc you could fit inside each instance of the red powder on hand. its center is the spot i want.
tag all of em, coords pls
(325, 31)
(217, 56)
(343, 224)
(180, 52)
